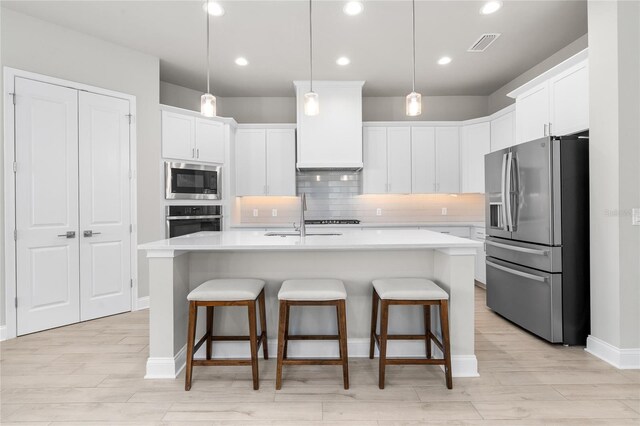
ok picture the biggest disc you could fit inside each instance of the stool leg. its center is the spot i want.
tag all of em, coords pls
(253, 340)
(263, 325)
(374, 323)
(286, 330)
(209, 330)
(427, 329)
(384, 323)
(342, 336)
(191, 337)
(444, 320)
(281, 342)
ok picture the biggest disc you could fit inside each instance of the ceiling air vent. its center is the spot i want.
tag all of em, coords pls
(483, 42)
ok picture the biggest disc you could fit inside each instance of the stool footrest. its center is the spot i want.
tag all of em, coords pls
(312, 361)
(413, 361)
(313, 337)
(222, 361)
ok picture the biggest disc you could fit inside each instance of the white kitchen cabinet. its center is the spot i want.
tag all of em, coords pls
(569, 95)
(387, 160)
(447, 160)
(265, 162)
(423, 160)
(185, 137)
(435, 160)
(532, 114)
(503, 131)
(281, 162)
(456, 231)
(475, 144)
(478, 234)
(555, 103)
(209, 142)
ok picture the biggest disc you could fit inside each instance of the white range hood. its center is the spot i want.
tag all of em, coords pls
(333, 138)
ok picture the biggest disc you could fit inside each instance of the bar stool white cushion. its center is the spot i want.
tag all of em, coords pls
(227, 289)
(312, 289)
(409, 289)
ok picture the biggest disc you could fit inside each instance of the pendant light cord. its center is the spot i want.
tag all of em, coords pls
(208, 64)
(413, 16)
(311, 44)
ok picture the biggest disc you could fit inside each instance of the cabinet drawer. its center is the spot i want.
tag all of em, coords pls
(457, 231)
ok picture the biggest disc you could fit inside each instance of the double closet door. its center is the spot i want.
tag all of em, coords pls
(73, 251)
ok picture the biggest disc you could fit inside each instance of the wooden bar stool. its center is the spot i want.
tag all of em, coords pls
(312, 292)
(226, 292)
(410, 291)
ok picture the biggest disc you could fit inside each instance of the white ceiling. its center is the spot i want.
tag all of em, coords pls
(273, 36)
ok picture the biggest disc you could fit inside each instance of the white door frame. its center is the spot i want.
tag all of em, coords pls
(10, 194)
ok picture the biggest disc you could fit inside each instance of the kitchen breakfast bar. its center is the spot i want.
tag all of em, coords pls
(178, 265)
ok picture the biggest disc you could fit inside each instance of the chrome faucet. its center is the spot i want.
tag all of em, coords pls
(303, 207)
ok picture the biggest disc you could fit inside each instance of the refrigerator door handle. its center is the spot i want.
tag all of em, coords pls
(502, 192)
(508, 191)
(518, 273)
(519, 249)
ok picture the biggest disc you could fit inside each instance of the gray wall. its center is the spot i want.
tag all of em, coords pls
(614, 90)
(498, 99)
(34, 45)
(283, 109)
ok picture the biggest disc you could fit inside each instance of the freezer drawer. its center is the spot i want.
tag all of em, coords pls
(534, 256)
(527, 297)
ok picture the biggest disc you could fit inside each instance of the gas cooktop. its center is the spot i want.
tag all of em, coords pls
(332, 222)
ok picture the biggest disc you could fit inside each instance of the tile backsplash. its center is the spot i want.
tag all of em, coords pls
(336, 195)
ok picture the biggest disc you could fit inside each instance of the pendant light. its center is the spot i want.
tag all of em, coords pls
(414, 99)
(208, 101)
(311, 101)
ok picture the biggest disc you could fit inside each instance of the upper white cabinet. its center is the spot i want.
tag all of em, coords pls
(186, 137)
(333, 138)
(555, 103)
(387, 160)
(265, 161)
(503, 130)
(475, 144)
(435, 160)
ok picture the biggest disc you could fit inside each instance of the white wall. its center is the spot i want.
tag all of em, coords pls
(34, 45)
(498, 99)
(614, 150)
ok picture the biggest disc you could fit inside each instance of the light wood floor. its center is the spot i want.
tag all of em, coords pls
(91, 373)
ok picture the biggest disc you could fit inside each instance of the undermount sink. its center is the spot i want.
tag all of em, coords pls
(297, 234)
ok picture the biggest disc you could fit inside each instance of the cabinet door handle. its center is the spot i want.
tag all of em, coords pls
(388, 187)
(546, 129)
(550, 131)
(197, 152)
(193, 153)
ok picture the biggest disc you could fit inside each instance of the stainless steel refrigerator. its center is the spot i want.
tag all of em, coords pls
(537, 224)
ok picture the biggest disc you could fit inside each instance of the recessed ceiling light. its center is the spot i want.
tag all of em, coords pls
(215, 8)
(242, 61)
(491, 7)
(343, 60)
(353, 8)
(444, 60)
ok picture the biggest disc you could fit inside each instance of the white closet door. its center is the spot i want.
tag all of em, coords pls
(399, 160)
(423, 160)
(46, 205)
(105, 247)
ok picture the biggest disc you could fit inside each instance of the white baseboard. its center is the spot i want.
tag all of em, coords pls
(624, 359)
(3, 333)
(142, 303)
(168, 368)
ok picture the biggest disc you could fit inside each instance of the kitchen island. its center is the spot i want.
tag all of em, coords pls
(178, 265)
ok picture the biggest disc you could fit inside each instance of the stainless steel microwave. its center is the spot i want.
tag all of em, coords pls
(185, 181)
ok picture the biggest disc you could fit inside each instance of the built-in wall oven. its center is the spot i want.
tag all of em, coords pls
(183, 220)
(185, 181)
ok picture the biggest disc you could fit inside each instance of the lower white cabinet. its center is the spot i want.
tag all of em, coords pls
(265, 161)
(475, 144)
(387, 160)
(478, 234)
(435, 160)
(456, 231)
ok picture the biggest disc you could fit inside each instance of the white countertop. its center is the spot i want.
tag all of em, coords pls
(363, 225)
(391, 239)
